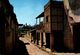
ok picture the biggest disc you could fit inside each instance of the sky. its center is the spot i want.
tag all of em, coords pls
(27, 10)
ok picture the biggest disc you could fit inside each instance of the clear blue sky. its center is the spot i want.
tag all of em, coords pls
(27, 10)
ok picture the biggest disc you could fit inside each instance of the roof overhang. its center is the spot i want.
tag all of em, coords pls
(41, 15)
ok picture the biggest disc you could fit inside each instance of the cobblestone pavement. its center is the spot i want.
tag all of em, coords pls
(32, 49)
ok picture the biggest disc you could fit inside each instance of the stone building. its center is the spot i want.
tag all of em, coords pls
(72, 9)
(51, 32)
(60, 29)
(8, 27)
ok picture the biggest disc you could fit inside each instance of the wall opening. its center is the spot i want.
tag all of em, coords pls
(58, 40)
(76, 35)
(47, 40)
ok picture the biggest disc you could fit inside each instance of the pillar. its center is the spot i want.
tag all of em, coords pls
(44, 38)
(41, 37)
(36, 21)
(37, 38)
(39, 20)
(51, 42)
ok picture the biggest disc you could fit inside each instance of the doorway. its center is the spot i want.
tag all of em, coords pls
(58, 40)
(76, 35)
(38, 37)
(47, 40)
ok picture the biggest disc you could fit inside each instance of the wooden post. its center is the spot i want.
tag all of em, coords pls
(36, 21)
(39, 20)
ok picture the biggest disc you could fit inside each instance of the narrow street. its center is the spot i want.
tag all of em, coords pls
(39, 27)
(32, 49)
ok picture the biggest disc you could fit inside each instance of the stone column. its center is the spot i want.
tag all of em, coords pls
(41, 39)
(44, 38)
(36, 38)
(51, 42)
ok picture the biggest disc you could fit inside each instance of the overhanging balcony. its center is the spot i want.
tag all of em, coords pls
(39, 21)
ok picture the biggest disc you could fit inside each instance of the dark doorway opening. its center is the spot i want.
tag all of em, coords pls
(47, 40)
(58, 40)
(38, 38)
(76, 35)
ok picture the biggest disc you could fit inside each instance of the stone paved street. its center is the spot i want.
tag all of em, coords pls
(32, 49)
